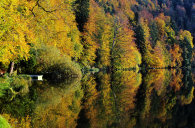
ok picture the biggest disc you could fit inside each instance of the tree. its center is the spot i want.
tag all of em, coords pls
(15, 36)
(54, 24)
(186, 42)
(124, 53)
(82, 12)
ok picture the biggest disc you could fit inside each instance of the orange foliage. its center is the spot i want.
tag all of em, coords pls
(176, 82)
(123, 47)
(176, 56)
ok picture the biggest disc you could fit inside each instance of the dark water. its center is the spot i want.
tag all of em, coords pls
(125, 99)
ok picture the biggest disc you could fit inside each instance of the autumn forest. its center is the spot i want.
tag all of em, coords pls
(135, 45)
(38, 35)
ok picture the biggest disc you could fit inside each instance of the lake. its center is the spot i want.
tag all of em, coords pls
(124, 99)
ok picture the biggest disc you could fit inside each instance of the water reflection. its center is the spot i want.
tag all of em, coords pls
(163, 97)
(58, 107)
(158, 98)
(124, 99)
(46, 106)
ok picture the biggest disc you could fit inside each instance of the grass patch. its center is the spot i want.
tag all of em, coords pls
(4, 123)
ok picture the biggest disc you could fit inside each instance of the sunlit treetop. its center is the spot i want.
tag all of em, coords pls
(15, 34)
(186, 35)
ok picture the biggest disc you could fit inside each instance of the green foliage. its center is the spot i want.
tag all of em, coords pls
(21, 83)
(82, 12)
(51, 61)
(4, 123)
(4, 85)
(14, 85)
(19, 107)
(139, 35)
(29, 66)
(186, 42)
(154, 33)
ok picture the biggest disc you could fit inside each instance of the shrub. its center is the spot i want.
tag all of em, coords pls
(51, 61)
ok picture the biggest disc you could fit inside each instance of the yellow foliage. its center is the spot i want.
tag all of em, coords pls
(105, 46)
(161, 27)
(58, 107)
(54, 24)
(24, 122)
(131, 82)
(15, 35)
(188, 99)
(125, 50)
(146, 29)
(186, 35)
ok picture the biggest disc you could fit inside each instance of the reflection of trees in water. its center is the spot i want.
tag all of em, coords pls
(109, 103)
(182, 114)
(46, 105)
(58, 107)
(122, 99)
(126, 99)
(158, 98)
(153, 84)
(176, 82)
(17, 111)
(88, 116)
(161, 96)
(125, 86)
(151, 98)
(187, 90)
(98, 105)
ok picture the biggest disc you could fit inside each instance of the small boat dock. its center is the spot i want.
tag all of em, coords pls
(37, 77)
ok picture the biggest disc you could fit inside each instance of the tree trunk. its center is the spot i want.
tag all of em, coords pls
(11, 68)
(113, 43)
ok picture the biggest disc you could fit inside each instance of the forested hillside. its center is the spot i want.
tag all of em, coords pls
(97, 63)
(40, 36)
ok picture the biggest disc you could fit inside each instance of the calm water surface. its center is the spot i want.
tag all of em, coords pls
(125, 99)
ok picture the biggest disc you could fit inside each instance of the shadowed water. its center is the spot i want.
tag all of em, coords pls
(124, 99)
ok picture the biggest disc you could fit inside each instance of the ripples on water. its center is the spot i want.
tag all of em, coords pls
(124, 99)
